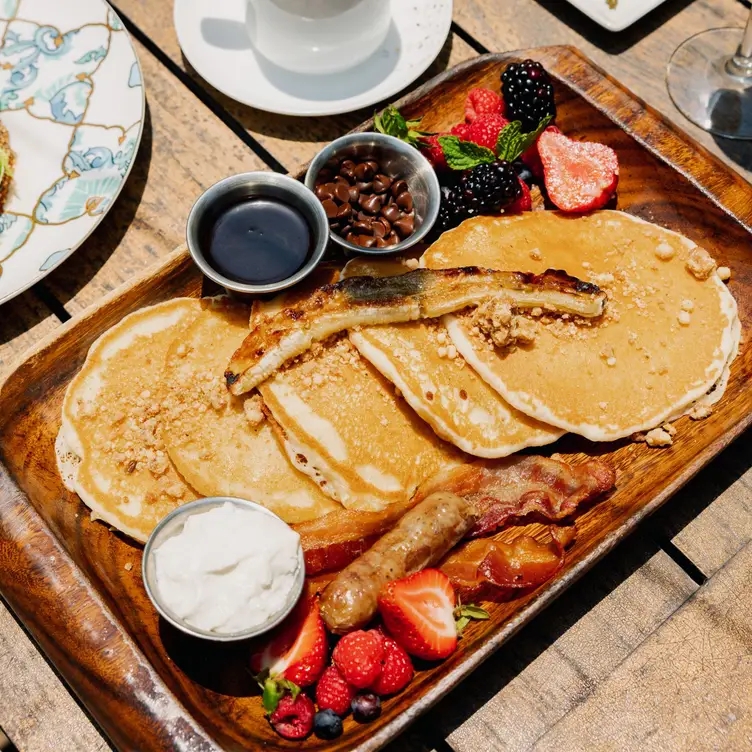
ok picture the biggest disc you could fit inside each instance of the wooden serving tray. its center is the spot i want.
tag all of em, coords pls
(152, 688)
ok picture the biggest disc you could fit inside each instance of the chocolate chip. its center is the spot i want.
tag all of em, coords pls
(324, 176)
(340, 179)
(354, 193)
(404, 226)
(366, 241)
(364, 187)
(405, 201)
(330, 208)
(373, 165)
(332, 164)
(364, 172)
(381, 183)
(348, 173)
(323, 191)
(392, 238)
(380, 243)
(398, 186)
(363, 227)
(344, 211)
(391, 213)
(342, 193)
(379, 228)
(370, 204)
(347, 164)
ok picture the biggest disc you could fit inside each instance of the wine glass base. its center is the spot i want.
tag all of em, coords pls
(710, 86)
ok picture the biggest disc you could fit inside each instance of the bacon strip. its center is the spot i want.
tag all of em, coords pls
(485, 565)
(522, 485)
(499, 489)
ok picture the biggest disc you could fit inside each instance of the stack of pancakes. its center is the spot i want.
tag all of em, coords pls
(365, 417)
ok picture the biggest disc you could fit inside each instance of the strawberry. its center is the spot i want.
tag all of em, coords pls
(482, 102)
(358, 656)
(297, 652)
(293, 718)
(433, 152)
(579, 176)
(396, 672)
(461, 130)
(485, 129)
(333, 692)
(523, 203)
(419, 613)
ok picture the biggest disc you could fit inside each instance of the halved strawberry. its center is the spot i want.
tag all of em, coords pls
(419, 613)
(297, 651)
(579, 176)
(482, 102)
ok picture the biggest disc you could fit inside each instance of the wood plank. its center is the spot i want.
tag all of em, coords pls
(715, 520)
(23, 321)
(549, 668)
(36, 711)
(292, 140)
(636, 57)
(686, 687)
(185, 148)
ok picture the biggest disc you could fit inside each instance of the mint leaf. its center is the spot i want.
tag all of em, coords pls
(391, 122)
(271, 695)
(291, 687)
(512, 142)
(464, 155)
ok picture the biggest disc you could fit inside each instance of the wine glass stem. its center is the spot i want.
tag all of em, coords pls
(741, 63)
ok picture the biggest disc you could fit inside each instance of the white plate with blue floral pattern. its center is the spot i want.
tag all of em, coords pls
(72, 99)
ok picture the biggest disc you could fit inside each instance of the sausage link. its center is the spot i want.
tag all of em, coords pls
(421, 538)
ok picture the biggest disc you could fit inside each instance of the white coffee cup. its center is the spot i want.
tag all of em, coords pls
(317, 36)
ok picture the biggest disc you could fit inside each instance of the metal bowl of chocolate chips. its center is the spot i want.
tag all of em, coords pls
(380, 194)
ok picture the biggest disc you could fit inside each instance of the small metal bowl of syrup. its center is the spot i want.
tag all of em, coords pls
(258, 232)
(397, 159)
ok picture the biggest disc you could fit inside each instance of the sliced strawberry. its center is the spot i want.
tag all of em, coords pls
(485, 129)
(461, 130)
(482, 102)
(579, 176)
(433, 152)
(396, 672)
(419, 613)
(523, 203)
(297, 651)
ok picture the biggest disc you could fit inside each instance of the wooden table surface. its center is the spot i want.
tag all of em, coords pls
(652, 650)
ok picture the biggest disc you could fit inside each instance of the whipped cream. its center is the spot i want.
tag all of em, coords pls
(229, 569)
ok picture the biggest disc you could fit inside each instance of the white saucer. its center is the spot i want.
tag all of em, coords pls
(213, 37)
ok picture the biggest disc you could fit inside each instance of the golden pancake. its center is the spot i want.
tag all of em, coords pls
(223, 445)
(111, 450)
(342, 424)
(664, 341)
(420, 360)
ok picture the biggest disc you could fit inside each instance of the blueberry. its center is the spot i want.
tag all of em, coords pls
(523, 172)
(327, 724)
(366, 707)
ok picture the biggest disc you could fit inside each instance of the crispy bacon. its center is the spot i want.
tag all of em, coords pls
(500, 489)
(487, 566)
(522, 485)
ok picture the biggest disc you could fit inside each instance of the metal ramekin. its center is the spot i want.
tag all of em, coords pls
(173, 524)
(396, 159)
(236, 188)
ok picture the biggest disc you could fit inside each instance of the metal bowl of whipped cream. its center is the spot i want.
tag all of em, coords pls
(223, 569)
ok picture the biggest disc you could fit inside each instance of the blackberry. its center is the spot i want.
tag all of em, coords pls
(483, 190)
(528, 93)
(488, 187)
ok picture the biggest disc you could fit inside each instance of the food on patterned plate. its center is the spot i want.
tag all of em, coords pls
(110, 448)
(628, 371)
(223, 445)
(419, 294)
(421, 361)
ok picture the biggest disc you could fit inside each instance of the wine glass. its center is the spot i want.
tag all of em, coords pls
(709, 78)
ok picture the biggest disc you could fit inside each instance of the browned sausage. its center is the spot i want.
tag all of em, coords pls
(421, 538)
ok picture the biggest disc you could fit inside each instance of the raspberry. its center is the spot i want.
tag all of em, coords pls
(293, 719)
(524, 202)
(461, 130)
(358, 657)
(485, 129)
(397, 670)
(433, 152)
(482, 102)
(333, 692)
